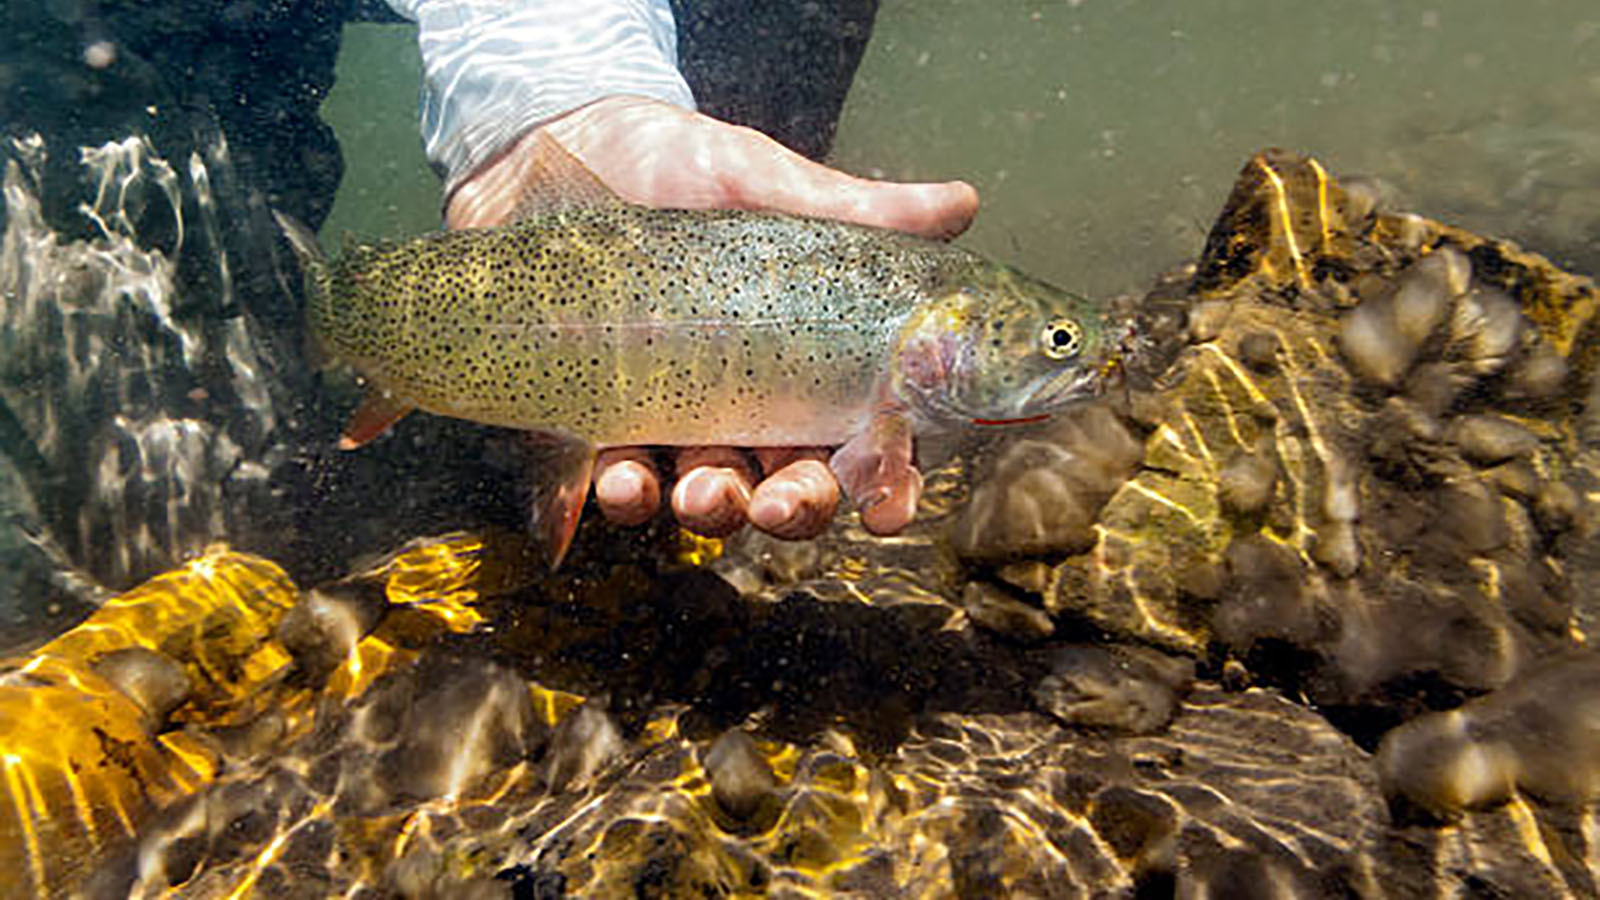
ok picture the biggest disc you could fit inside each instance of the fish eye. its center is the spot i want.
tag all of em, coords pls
(1062, 339)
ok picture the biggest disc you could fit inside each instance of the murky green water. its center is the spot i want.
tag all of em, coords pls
(1103, 134)
(388, 188)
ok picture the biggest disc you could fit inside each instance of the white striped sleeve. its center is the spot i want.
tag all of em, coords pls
(493, 69)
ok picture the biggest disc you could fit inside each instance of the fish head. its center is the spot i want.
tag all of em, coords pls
(992, 346)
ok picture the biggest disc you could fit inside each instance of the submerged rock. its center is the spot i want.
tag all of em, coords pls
(1536, 736)
(741, 778)
(153, 680)
(1043, 493)
(1129, 689)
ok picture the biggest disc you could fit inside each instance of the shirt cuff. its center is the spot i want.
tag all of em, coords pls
(492, 71)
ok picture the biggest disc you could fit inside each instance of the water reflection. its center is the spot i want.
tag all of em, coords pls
(141, 421)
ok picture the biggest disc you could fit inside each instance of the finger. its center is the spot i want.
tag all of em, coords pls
(894, 504)
(713, 490)
(759, 173)
(796, 502)
(626, 485)
(715, 164)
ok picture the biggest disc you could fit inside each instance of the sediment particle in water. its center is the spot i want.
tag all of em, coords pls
(99, 54)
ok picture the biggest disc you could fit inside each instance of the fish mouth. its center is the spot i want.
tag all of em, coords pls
(1021, 420)
(1045, 398)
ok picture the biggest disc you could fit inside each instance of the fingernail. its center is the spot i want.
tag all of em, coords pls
(772, 511)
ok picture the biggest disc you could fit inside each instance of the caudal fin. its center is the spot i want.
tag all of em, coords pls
(314, 266)
(307, 249)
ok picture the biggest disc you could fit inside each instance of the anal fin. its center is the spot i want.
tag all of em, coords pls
(373, 416)
(562, 467)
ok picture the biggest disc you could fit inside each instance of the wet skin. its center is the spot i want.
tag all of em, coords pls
(656, 154)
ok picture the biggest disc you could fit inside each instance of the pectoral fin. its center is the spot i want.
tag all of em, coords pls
(562, 467)
(373, 416)
(877, 468)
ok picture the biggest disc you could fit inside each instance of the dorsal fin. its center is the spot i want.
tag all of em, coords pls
(558, 182)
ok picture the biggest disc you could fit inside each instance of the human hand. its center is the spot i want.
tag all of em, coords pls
(656, 154)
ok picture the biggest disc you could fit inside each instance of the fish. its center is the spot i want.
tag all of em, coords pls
(591, 322)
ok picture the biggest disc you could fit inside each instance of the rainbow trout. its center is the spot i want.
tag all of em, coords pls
(601, 323)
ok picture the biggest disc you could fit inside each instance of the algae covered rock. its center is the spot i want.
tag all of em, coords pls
(1370, 464)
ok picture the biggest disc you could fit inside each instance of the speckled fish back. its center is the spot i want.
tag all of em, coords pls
(630, 325)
